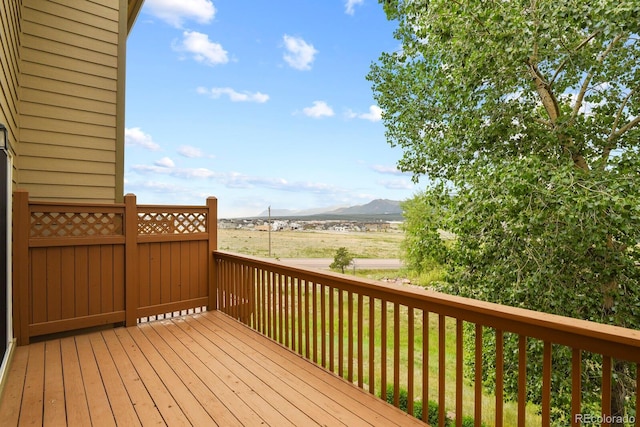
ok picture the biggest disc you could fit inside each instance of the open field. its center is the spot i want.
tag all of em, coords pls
(310, 244)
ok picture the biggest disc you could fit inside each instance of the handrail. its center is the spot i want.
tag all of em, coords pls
(302, 309)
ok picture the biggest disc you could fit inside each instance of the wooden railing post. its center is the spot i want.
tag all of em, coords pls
(212, 221)
(20, 260)
(132, 293)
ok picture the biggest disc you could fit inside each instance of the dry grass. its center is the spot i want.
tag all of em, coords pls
(310, 244)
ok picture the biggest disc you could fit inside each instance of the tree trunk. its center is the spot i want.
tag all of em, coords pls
(618, 393)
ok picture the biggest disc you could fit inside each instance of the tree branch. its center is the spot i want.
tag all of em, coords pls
(619, 114)
(550, 104)
(582, 44)
(633, 123)
(606, 152)
(543, 88)
(589, 76)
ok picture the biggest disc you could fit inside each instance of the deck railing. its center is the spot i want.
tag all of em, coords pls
(379, 336)
(82, 265)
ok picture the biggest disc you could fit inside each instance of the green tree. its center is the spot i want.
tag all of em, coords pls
(342, 259)
(524, 116)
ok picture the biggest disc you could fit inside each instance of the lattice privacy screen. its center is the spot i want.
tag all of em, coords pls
(75, 224)
(172, 223)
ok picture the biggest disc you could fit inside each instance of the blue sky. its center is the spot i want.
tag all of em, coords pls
(258, 103)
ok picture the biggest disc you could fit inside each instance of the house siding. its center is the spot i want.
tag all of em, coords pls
(70, 136)
(10, 68)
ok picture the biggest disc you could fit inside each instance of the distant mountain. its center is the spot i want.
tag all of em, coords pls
(373, 208)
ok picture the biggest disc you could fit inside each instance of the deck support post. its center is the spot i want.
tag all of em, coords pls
(212, 224)
(21, 288)
(132, 294)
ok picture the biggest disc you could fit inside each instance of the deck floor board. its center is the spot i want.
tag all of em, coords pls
(203, 369)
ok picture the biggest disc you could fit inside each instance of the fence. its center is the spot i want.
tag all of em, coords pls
(380, 336)
(77, 265)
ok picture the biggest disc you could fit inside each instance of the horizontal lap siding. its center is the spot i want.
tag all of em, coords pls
(9, 66)
(76, 281)
(68, 100)
(170, 272)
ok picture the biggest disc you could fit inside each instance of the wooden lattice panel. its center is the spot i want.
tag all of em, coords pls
(172, 223)
(75, 224)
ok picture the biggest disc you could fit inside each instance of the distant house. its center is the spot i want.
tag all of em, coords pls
(62, 82)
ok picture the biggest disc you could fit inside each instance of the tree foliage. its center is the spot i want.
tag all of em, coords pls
(525, 118)
(342, 259)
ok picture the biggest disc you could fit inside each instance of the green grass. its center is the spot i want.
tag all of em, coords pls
(310, 244)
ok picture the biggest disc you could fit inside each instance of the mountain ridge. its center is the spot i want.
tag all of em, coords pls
(375, 207)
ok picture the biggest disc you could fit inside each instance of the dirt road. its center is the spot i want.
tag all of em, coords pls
(360, 263)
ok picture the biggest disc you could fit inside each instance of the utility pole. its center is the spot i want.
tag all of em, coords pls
(269, 210)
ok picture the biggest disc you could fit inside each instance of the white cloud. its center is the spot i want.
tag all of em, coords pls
(236, 179)
(175, 12)
(397, 184)
(202, 49)
(300, 54)
(216, 92)
(165, 162)
(190, 152)
(188, 173)
(318, 110)
(374, 114)
(387, 170)
(135, 136)
(350, 4)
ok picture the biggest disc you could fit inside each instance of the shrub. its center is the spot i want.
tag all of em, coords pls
(432, 415)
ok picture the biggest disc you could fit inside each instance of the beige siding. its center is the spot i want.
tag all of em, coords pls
(69, 99)
(9, 67)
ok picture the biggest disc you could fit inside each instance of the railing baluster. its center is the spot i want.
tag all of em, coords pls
(261, 302)
(576, 385)
(477, 405)
(244, 294)
(499, 377)
(372, 348)
(307, 332)
(522, 379)
(546, 384)
(441, 369)
(300, 318)
(410, 359)
(606, 389)
(287, 295)
(236, 291)
(269, 303)
(396, 354)
(294, 318)
(459, 372)
(332, 334)
(281, 297)
(383, 349)
(323, 320)
(257, 310)
(315, 321)
(340, 334)
(360, 343)
(425, 365)
(350, 336)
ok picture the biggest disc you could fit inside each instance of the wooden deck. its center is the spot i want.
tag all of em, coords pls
(204, 369)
